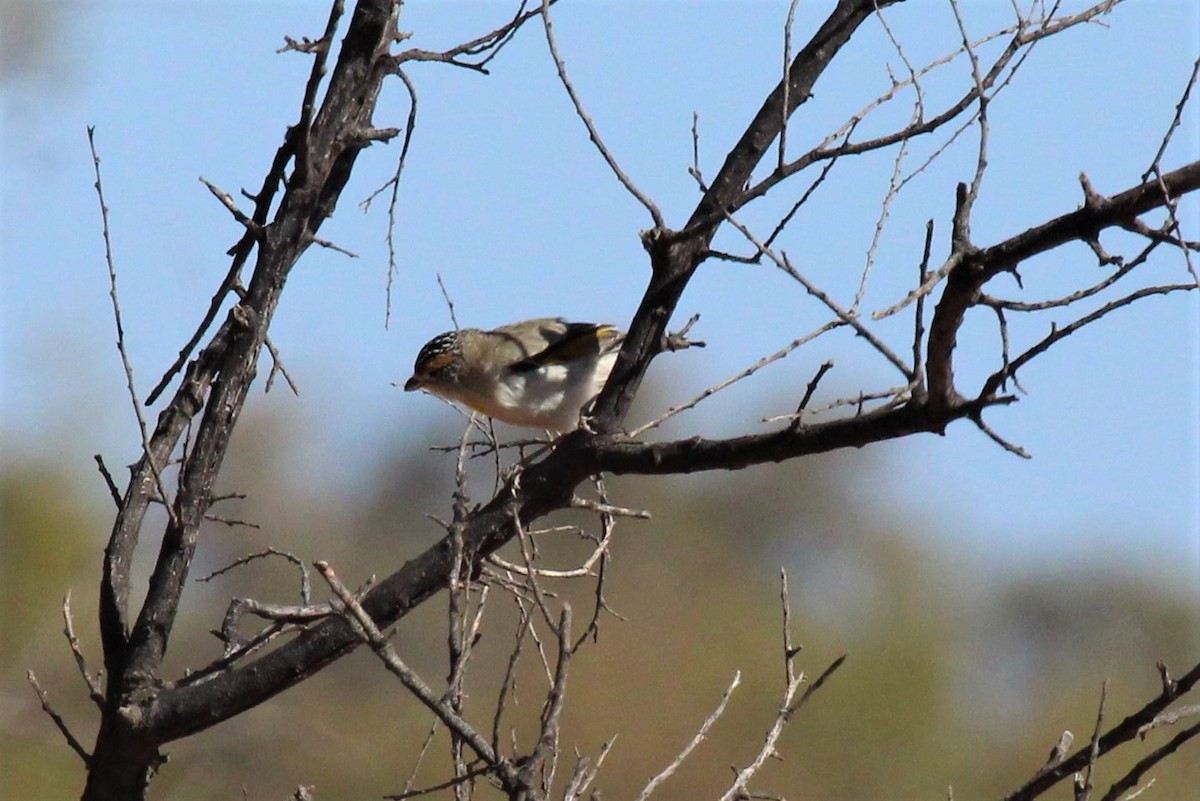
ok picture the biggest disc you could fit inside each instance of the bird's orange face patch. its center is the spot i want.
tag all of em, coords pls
(436, 364)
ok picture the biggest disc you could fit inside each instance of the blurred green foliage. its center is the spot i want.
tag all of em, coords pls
(953, 678)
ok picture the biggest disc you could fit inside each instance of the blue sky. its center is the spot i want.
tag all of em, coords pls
(507, 200)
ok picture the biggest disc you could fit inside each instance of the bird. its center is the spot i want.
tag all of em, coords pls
(540, 373)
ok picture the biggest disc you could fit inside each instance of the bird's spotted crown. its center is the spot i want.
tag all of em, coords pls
(439, 361)
(441, 346)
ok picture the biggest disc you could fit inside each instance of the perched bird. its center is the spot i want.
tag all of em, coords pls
(538, 373)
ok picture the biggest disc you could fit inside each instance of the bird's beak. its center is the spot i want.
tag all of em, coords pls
(413, 383)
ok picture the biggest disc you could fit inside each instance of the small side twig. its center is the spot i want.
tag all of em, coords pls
(305, 586)
(666, 772)
(733, 379)
(1012, 448)
(457, 781)
(113, 490)
(116, 305)
(93, 683)
(365, 627)
(449, 302)
(825, 367)
(816, 685)
(593, 134)
(1175, 122)
(1135, 773)
(76, 746)
(1083, 784)
(226, 200)
(411, 782)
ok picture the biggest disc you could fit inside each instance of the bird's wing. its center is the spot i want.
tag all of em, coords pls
(568, 342)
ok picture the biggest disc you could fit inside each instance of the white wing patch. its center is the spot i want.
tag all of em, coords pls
(553, 395)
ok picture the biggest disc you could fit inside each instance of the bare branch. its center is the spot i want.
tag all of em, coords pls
(394, 184)
(61, 724)
(1169, 718)
(847, 316)
(1154, 168)
(93, 684)
(1136, 773)
(320, 51)
(585, 775)
(366, 628)
(739, 789)
(155, 467)
(412, 776)
(305, 587)
(226, 199)
(277, 368)
(113, 490)
(1083, 784)
(1057, 334)
(1066, 300)
(733, 379)
(1015, 450)
(825, 367)
(1122, 732)
(456, 782)
(1021, 38)
(490, 43)
(816, 685)
(783, 81)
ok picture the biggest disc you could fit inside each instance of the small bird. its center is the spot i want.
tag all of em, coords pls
(539, 373)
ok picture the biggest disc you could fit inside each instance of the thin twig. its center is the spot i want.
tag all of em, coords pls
(93, 683)
(76, 746)
(227, 201)
(547, 744)
(809, 390)
(666, 772)
(412, 776)
(305, 587)
(1057, 334)
(457, 782)
(982, 98)
(508, 686)
(1083, 784)
(394, 184)
(113, 490)
(785, 82)
(1175, 122)
(277, 368)
(789, 651)
(116, 305)
(593, 134)
(816, 685)
(446, 297)
(885, 209)
(848, 317)
(1135, 773)
(366, 628)
(733, 379)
